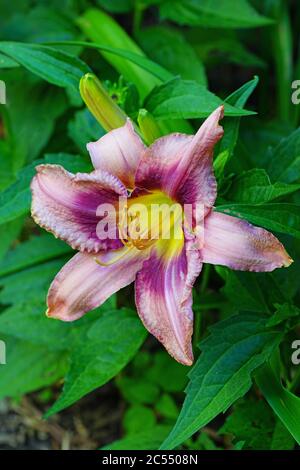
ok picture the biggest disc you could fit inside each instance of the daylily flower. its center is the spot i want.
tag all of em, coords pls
(177, 168)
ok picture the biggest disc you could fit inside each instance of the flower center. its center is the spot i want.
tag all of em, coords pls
(148, 218)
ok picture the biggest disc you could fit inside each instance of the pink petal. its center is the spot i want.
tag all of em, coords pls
(164, 299)
(118, 152)
(83, 284)
(235, 243)
(66, 204)
(181, 165)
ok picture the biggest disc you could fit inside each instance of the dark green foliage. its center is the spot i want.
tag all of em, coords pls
(176, 60)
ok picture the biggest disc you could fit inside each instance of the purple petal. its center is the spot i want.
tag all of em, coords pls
(118, 152)
(66, 204)
(83, 284)
(235, 243)
(164, 299)
(181, 165)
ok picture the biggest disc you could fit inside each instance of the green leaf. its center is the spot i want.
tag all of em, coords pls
(84, 128)
(166, 406)
(254, 187)
(35, 250)
(250, 286)
(284, 403)
(186, 99)
(231, 127)
(138, 418)
(8, 233)
(29, 367)
(169, 375)
(31, 121)
(7, 63)
(280, 217)
(53, 65)
(227, 14)
(165, 45)
(284, 312)
(41, 23)
(15, 200)
(138, 390)
(149, 439)
(254, 423)
(27, 321)
(107, 347)
(222, 374)
(220, 46)
(105, 31)
(284, 161)
(31, 283)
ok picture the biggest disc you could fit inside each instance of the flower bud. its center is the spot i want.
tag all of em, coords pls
(100, 104)
(148, 126)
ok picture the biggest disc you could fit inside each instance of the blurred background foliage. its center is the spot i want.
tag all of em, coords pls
(173, 61)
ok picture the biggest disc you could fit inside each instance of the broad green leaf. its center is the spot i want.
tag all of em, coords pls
(29, 367)
(104, 30)
(168, 47)
(33, 251)
(15, 200)
(284, 403)
(227, 14)
(149, 439)
(231, 126)
(222, 374)
(31, 121)
(186, 99)
(7, 63)
(30, 283)
(107, 347)
(284, 159)
(27, 321)
(53, 65)
(280, 217)
(142, 61)
(251, 288)
(254, 187)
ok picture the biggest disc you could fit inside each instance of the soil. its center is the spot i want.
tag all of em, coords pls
(90, 424)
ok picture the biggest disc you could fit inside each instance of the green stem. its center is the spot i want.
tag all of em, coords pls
(137, 18)
(198, 314)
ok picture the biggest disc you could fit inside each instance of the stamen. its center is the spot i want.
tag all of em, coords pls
(114, 260)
